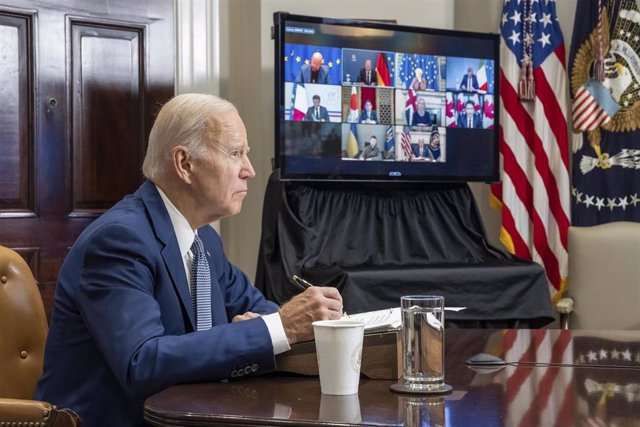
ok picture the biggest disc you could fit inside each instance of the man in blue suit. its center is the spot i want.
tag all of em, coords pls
(317, 113)
(368, 115)
(469, 81)
(470, 119)
(129, 317)
(314, 72)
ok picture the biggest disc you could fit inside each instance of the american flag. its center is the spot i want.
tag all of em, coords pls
(406, 142)
(541, 396)
(534, 192)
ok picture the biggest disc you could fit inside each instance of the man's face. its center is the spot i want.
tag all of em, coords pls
(220, 178)
(367, 65)
(316, 102)
(316, 62)
(373, 142)
(470, 110)
(421, 142)
(367, 106)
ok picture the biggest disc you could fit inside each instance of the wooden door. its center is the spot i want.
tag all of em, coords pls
(80, 84)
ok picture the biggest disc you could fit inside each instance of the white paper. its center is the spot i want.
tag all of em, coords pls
(386, 319)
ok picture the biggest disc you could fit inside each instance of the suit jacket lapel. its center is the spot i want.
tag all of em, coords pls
(161, 222)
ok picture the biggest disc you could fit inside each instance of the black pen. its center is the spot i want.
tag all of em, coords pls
(301, 282)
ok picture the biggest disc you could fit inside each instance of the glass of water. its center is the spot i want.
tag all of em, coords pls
(423, 342)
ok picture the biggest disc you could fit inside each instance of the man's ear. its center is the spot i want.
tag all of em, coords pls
(182, 163)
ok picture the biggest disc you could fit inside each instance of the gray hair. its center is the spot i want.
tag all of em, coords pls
(192, 120)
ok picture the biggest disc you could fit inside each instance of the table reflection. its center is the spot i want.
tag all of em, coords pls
(551, 385)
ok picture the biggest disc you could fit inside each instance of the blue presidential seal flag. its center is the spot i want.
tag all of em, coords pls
(605, 88)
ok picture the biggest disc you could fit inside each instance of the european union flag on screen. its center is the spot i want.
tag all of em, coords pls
(297, 56)
(407, 65)
(606, 163)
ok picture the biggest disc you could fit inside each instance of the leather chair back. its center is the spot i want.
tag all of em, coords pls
(604, 276)
(23, 327)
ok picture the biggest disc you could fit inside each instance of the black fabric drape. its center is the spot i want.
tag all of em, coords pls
(377, 242)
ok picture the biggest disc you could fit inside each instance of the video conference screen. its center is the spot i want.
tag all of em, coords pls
(371, 101)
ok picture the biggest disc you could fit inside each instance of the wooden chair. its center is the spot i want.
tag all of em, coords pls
(23, 332)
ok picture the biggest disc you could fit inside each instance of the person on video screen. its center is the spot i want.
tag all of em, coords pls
(367, 75)
(433, 150)
(316, 113)
(368, 115)
(371, 151)
(419, 151)
(418, 82)
(469, 81)
(421, 116)
(469, 119)
(314, 72)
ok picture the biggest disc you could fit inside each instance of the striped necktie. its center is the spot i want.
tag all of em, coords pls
(200, 285)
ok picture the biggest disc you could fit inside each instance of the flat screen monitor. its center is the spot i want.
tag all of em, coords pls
(363, 100)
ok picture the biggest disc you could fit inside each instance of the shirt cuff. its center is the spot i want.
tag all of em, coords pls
(276, 331)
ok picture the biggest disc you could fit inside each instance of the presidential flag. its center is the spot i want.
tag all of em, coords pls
(606, 158)
(534, 190)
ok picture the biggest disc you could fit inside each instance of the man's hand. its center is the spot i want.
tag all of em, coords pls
(248, 315)
(316, 303)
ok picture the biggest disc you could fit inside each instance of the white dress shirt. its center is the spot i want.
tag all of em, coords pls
(185, 236)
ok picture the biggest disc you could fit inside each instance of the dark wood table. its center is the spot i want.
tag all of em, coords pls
(564, 378)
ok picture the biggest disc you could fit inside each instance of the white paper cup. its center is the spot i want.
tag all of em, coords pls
(339, 350)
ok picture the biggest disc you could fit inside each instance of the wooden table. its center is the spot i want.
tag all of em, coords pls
(597, 379)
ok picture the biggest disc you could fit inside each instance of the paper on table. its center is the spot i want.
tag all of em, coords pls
(386, 319)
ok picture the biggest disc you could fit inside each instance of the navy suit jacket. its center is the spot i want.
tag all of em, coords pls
(304, 75)
(416, 151)
(463, 123)
(373, 116)
(310, 116)
(123, 322)
(464, 85)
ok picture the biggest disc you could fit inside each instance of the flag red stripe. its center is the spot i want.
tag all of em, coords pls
(586, 113)
(552, 111)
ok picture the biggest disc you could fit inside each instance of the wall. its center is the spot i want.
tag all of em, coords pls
(247, 81)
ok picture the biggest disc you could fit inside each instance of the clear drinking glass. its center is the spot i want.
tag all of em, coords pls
(423, 342)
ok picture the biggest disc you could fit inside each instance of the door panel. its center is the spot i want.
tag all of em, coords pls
(80, 83)
(106, 77)
(16, 180)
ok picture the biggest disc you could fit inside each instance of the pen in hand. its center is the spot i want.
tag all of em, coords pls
(299, 281)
